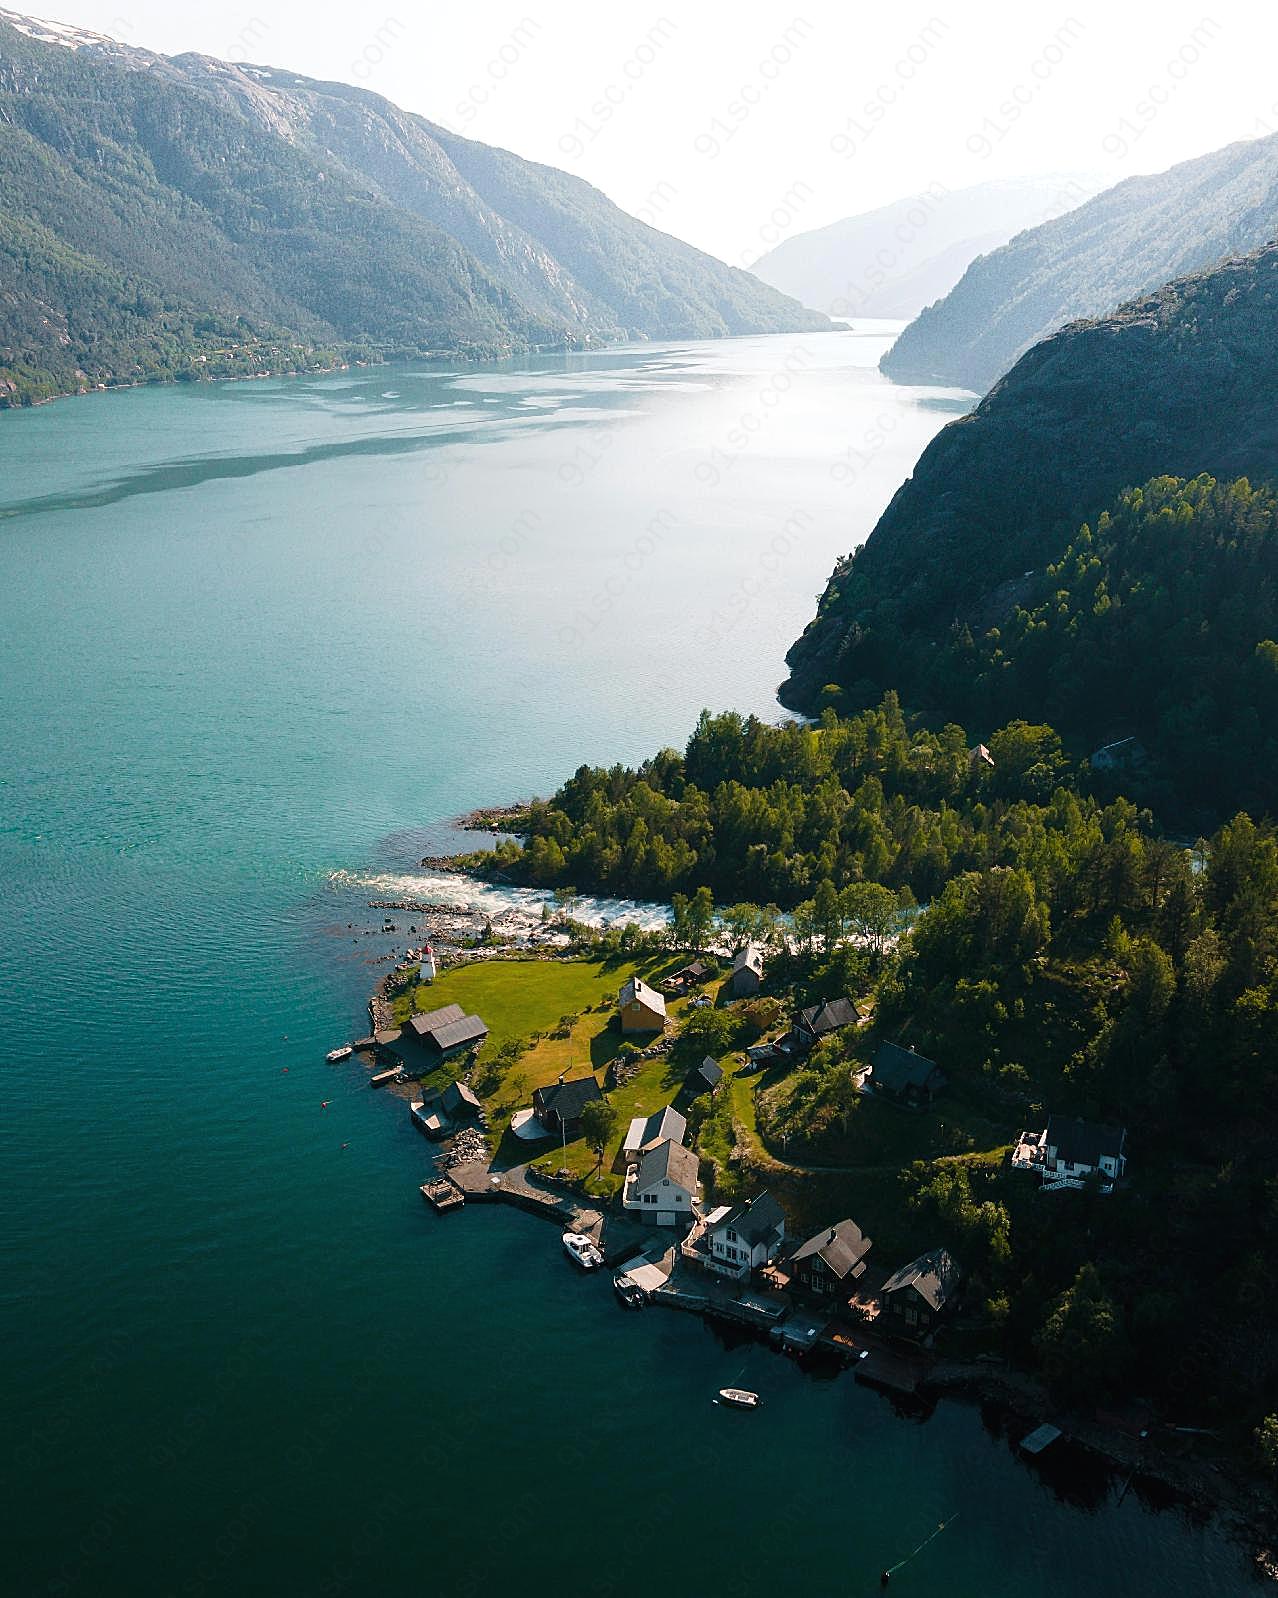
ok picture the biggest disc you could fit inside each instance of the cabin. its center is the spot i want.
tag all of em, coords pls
(819, 1020)
(447, 1031)
(746, 975)
(741, 1238)
(642, 1008)
(831, 1261)
(559, 1106)
(905, 1077)
(1069, 1151)
(706, 1077)
(913, 1300)
(662, 1185)
(647, 1131)
(459, 1102)
(689, 976)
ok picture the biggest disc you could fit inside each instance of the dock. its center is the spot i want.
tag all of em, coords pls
(381, 1079)
(442, 1196)
(1040, 1438)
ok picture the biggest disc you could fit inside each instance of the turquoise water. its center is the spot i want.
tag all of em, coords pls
(257, 643)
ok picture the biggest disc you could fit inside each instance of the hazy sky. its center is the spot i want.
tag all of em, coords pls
(737, 125)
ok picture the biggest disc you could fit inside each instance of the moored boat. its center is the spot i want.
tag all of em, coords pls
(344, 1053)
(629, 1291)
(582, 1250)
(738, 1398)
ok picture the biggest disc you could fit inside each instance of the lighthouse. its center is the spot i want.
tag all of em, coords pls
(428, 964)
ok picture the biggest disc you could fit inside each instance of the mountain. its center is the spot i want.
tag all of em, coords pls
(1178, 383)
(1124, 242)
(183, 216)
(893, 261)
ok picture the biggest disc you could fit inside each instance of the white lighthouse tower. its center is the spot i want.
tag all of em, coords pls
(428, 964)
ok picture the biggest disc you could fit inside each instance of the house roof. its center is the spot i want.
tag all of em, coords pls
(453, 1034)
(1084, 1142)
(756, 1219)
(457, 1096)
(934, 1277)
(668, 1162)
(842, 1246)
(710, 1072)
(896, 1068)
(694, 968)
(749, 959)
(661, 1124)
(828, 1016)
(567, 1099)
(423, 1025)
(637, 990)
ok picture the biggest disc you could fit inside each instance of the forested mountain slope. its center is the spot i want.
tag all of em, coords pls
(1124, 242)
(176, 217)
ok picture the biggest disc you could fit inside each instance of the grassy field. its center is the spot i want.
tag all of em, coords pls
(572, 1004)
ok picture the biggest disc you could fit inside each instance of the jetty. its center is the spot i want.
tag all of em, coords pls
(442, 1196)
(1040, 1438)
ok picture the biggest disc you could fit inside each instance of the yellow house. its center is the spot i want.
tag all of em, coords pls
(642, 1008)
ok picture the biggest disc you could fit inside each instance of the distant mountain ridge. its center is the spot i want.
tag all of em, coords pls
(183, 216)
(1125, 242)
(1179, 382)
(894, 260)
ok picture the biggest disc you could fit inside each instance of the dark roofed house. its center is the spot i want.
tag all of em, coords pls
(559, 1106)
(819, 1020)
(459, 1101)
(832, 1259)
(706, 1076)
(907, 1077)
(1069, 1150)
(448, 1031)
(747, 972)
(688, 976)
(744, 1237)
(915, 1298)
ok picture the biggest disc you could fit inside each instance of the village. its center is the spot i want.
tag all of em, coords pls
(611, 1118)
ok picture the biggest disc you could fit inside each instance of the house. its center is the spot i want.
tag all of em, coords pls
(689, 976)
(642, 1008)
(819, 1020)
(1069, 1150)
(831, 1260)
(705, 1077)
(646, 1131)
(747, 972)
(914, 1299)
(741, 1238)
(980, 757)
(907, 1077)
(662, 1185)
(448, 1031)
(559, 1106)
(459, 1102)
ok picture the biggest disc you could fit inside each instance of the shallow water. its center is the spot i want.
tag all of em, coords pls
(257, 643)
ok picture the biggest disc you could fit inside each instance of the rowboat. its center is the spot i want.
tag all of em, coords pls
(738, 1398)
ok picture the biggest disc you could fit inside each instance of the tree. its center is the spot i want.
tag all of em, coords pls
(1267, 1442)
(598, 1123)
(1083, 1345)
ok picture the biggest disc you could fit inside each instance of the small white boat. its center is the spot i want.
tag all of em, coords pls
(738, 1398)
(580, 1248)
(344, 1053)
(629, 1291)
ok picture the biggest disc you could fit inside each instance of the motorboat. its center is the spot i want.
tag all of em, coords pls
(582, 1249)
(335, 1055)
(738, 1398)
(629, 1291)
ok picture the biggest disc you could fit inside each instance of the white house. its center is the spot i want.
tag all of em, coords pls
(642, 1008)
(646, 1132)
(662, 1186)
(1068, 1151)
(744, 1237)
